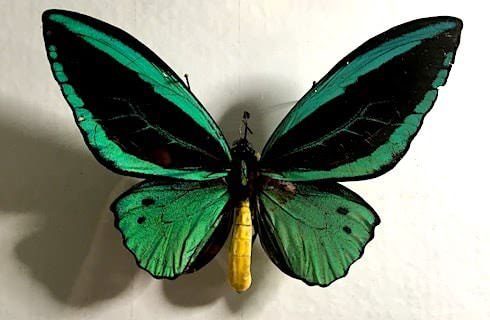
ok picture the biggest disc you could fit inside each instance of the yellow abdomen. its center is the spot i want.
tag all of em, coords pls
(240, 254)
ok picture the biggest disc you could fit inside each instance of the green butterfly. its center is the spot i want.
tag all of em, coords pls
(140, 119)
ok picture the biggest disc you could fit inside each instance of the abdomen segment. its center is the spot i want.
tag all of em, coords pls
(239, 258)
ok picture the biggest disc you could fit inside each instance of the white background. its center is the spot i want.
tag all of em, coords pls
(61, 257)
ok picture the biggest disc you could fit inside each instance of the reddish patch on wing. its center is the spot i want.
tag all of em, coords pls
(162, 157)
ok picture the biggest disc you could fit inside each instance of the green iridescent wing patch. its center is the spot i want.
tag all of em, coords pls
(313, 232)
(168, 225)
(136, 115)
(359, 120)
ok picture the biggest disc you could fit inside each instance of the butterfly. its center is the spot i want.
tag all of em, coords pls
(140, 119)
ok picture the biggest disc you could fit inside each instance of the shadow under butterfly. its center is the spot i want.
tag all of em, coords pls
(72, 250)
(140, 119)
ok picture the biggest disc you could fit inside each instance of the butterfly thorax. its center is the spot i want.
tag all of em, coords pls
(244, 170)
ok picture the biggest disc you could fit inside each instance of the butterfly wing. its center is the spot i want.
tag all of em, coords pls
(313, 232)
(359, 120)
(136, 115)
(173, 227)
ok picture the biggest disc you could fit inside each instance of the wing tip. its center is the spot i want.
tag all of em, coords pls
(47, 14)
(456, 20)
(458, 23)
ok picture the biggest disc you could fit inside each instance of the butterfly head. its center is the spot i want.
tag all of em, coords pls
(242, 149)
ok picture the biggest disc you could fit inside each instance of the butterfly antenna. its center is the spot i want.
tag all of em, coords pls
(245, 118)
(186, 76)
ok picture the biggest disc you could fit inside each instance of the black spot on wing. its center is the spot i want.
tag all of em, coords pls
(147, 202)
(342, 210)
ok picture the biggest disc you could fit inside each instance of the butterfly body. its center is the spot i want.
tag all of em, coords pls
(140, 119)
(242, 181)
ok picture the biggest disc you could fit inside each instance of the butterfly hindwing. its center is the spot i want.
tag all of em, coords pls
(171, 226)
(359, 120)
(313, 232)
(136, 115)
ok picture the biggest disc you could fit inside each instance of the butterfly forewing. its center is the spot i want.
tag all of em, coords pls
(359, 120)
(135, 114)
